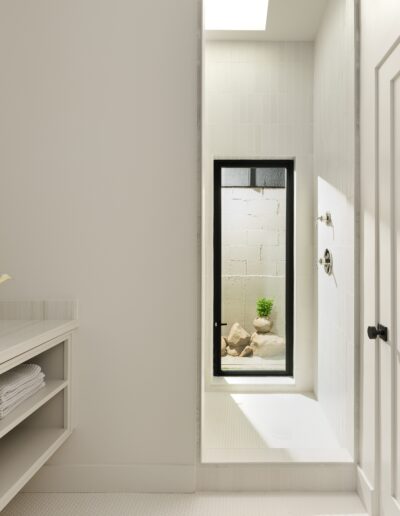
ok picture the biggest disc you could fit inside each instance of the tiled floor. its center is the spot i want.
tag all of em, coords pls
(201, 504)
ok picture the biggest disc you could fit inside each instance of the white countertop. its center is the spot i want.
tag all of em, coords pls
(19, 336)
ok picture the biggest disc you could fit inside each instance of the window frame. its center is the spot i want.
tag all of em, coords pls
(217, 261)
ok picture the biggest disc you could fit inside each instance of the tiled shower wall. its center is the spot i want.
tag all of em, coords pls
(253, 254)
(334, 144)
(259, 104)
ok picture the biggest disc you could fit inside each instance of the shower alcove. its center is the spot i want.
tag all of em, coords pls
(283, 96)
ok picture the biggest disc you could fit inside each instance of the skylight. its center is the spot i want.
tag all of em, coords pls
(235, 14)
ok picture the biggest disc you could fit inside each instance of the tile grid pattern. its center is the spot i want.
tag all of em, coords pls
(202, 504)
(259, 104)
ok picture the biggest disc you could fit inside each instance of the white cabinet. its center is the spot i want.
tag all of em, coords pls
(38, 427)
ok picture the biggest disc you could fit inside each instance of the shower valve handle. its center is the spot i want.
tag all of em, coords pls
(327, 261)
(326, 218)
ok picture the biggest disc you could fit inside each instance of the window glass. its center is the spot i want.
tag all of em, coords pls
(253, 311)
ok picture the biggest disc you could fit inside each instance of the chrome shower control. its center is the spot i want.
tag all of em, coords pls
(327, 261)
(326, 218)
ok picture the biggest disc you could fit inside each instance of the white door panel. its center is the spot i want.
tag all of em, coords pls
(387, 163)
(379, 451)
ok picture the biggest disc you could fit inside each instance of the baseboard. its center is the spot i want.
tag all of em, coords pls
(277, 477)
(137, 478)
(366, 492)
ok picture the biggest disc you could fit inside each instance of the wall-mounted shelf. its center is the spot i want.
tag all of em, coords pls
(17, 337)
(29, 406)
(39, 426)
(22, 454)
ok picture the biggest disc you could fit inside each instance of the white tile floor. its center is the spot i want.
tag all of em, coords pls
(201, 504)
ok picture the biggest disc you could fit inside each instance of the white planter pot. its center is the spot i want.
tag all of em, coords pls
(262, 324)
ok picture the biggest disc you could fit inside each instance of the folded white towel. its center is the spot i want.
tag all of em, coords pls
(22, 388)
(5, 411)
(21, 394)
(15, 378)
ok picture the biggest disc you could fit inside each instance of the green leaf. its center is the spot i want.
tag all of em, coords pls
(264, 306)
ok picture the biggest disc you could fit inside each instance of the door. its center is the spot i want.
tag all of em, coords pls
(379, 449)
(387, 109)
(388, 147)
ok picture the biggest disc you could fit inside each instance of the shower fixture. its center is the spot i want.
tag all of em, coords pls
(326, 218)
(327, 261)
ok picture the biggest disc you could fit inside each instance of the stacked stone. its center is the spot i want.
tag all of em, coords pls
(236, 344)
(261, 343)
(264, 343)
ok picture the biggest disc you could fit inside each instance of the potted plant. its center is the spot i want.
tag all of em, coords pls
(263, 323)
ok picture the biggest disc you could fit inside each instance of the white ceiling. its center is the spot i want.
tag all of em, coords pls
(288, 20)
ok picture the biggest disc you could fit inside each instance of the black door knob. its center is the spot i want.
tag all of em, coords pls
(372, 332)
(379, 331)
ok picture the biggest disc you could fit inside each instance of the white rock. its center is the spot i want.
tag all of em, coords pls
(238, 338)
(267, 345)
(247, 352)
(223, 347)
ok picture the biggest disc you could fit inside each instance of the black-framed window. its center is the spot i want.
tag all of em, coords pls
(253, 267)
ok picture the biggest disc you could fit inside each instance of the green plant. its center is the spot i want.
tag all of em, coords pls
(264, 306)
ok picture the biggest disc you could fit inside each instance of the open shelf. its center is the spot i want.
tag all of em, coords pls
(22, 453)
(30, 405)
(36, 428)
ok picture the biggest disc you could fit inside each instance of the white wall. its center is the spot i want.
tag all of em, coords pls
(98, 97)
(258, 104)
(253, 254)
(334, 165)
(100, 202)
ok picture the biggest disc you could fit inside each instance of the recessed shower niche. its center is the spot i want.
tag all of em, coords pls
(278, 150)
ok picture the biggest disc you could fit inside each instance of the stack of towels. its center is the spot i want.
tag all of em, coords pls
(17, 385)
